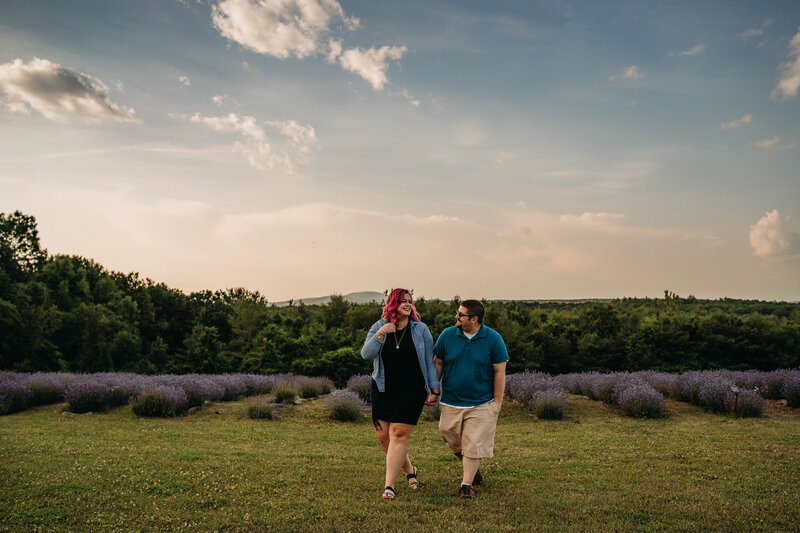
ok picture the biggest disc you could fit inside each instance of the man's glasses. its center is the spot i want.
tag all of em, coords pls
(462, 315)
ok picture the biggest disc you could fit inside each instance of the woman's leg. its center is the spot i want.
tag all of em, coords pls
(397, 452)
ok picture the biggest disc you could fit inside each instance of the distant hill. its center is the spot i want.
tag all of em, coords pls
(363, 297)
(366, 297)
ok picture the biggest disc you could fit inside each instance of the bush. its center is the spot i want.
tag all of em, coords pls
(749, 404)
(87, 396)
(715, 395)
(548, 404)
(312, 387)
(161, 401)
(233, 385)
(284, 394)
(345, 406)
(549, 409)
(46, 389)
(361, 385)
(642, 401)
(14, 396)
(791, 389)
(260, 411)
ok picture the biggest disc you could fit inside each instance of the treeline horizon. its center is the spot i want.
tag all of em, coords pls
(69, 313)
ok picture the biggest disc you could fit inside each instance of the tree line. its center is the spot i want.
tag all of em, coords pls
(69, 313)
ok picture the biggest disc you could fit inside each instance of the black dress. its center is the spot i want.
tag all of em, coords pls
(404, 383)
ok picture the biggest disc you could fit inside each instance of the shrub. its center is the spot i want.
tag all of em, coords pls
(773, 384)
(198, 388)
(312, 387)
(361, 385)
(15, 395)
(233, 385)
(161, 401)
(791, 389)
(260, 411)
(662, 382)
(549, 409)
(284, 394)
(46, 389)
(548, 404)
(715, 395)
(345, 406)
(86, 396)
(642, 401)
(749, 404)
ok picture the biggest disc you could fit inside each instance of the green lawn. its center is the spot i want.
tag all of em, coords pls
(217, 470)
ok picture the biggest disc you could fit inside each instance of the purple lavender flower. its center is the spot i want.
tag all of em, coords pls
(361, 385)
(749, 404)
(161, 401)
(15, 395)
(715, 394)
(345, 406)
(86, 396)
(640, 400)
(791, 389)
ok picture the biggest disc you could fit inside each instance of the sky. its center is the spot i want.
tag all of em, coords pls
(529, 149)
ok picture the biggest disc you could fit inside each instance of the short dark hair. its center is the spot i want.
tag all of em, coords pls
(474, 308)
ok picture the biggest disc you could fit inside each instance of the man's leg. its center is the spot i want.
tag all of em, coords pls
(478, 478)
(470, 469)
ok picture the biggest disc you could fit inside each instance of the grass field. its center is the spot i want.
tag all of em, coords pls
(216, 470)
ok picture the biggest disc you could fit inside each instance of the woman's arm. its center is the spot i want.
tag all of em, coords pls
(372, 346)
(430, 367)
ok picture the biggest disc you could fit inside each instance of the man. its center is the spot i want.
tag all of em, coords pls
(471, 361)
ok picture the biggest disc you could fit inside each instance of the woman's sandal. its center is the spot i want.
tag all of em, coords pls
(413, 475)
(388, 493)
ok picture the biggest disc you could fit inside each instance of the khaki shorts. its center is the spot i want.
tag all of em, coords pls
(470, 431)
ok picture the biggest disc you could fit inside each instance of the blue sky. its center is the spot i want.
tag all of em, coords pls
(503, 150)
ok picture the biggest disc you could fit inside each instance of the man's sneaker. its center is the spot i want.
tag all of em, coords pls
(466, 492)
(478, 479)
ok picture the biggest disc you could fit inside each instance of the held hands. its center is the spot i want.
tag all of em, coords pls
(433, 397)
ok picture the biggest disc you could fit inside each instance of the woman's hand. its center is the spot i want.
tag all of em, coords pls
(432, 399)
(386, 328)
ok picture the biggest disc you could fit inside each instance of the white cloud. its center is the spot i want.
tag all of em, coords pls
(773, 235)
(255, 144)
(413, 101)
(371, 64)
(738, 123)
(628, 73)
(694, 50)
(280, 28)
(335, 50)
(775, 144)
(217, 99)
(752, 32)
(789, 81)
(58, 93)
(185, 81)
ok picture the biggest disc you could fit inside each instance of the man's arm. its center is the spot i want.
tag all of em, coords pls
(439, 367)
(499, 383)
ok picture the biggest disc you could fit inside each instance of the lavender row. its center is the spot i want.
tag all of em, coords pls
(727, 391)
(96, 392)
(630, 392)
(539, 392)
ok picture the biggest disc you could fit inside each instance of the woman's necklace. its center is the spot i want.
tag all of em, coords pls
(397, 342)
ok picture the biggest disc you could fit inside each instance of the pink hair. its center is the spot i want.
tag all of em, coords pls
(393, 302)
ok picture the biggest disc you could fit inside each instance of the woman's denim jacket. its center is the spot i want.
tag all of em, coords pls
(423, 342)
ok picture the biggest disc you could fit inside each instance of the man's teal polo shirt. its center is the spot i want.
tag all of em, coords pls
(468, 377)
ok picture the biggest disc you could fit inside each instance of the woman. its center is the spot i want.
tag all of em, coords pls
(403, 380)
